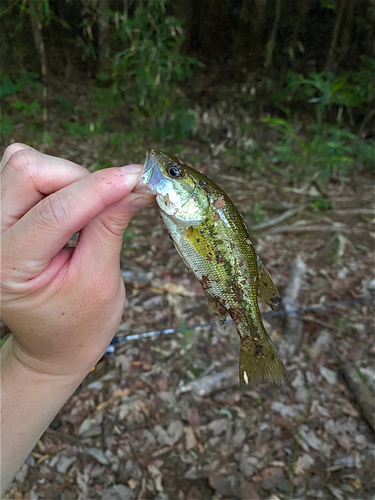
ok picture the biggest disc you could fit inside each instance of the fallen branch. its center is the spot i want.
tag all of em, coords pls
(62, 435)
(276, 220)
(290, 342)
(361, 391)
(274, 206)
(215, 382)
(306, 229)
(354, 211)
(322, 323)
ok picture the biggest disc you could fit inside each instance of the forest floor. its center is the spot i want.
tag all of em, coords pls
(150, 422)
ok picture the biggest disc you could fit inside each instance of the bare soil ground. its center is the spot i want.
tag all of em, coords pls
(141, 427)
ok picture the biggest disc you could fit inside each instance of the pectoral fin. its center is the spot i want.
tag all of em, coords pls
(267, 290)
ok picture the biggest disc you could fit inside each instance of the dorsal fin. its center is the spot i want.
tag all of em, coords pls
(267, 290)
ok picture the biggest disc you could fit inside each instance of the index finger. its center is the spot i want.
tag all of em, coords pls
(38, 236)
(28, 176)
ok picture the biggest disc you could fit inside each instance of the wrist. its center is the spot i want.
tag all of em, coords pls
(29, 402)
(28, 370)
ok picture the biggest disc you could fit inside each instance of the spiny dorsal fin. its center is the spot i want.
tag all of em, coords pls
(267, 290)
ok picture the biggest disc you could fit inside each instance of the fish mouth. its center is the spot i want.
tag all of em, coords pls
(143, 185)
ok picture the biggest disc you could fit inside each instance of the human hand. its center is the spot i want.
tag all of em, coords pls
(63, 305)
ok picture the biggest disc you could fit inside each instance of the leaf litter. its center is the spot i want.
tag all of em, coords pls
(165, 418)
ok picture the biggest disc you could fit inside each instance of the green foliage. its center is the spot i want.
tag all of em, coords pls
(4, 339)
(139, 81)
(25, 107)
(41, 12)
(128, 235)
(328, 4)
(330, 148)
(26, 80)
(321, 204)
(121, 139)
(14, 94)
(8, 86)
(257, 211)
(177, 125)
(66, 106)
(101, 164)
(326, 90)
(6, 124)
(147, 70)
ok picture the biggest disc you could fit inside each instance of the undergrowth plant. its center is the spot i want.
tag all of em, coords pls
(147, 69)
(323, 146)
(16, 104)
(141, 77)
(326, 91)
(331, 151)
(138, 82)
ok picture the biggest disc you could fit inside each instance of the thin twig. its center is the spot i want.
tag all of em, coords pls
(62, 435)
(276, 220)
(321, 323)
(308, 229)
(354, 211)
(271, 314)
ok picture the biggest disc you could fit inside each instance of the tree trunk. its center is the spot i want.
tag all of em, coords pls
(335, 34)
(271, 42)
(347, 29)
(104, 42)
(36, 27)
(303, 8)
(183, 10)
(257, 19)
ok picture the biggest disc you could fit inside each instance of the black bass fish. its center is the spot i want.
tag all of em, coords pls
(212, 239)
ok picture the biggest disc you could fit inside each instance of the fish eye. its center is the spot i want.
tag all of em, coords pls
(174, 171)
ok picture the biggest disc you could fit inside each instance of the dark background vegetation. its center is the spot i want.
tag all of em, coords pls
(273, 99)
(146, 71)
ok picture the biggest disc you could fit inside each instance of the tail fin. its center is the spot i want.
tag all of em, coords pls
(259, 362)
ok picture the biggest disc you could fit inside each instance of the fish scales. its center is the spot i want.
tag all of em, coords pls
(212, 239)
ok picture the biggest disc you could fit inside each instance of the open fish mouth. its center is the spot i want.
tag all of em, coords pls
(144, 182)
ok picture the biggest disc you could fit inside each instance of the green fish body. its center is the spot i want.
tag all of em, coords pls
(212, 239)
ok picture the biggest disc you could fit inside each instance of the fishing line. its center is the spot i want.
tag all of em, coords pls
(271, 314)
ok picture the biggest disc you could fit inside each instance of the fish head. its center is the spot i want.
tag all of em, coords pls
(176, 186)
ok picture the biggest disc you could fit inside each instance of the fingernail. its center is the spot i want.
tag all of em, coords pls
(132, 169)
(139, 201)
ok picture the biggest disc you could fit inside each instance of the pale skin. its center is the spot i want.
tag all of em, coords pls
(63, 305)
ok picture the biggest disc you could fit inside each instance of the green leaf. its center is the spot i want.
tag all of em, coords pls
(4, 339)
(8, 87)
(65, 104)
(6, 124)
(26, 108)
(328, 4)
(47, 138)
(103, 76)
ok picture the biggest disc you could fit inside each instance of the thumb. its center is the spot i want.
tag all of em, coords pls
(101, 240)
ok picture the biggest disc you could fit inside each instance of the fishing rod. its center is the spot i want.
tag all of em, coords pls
(271, 314)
